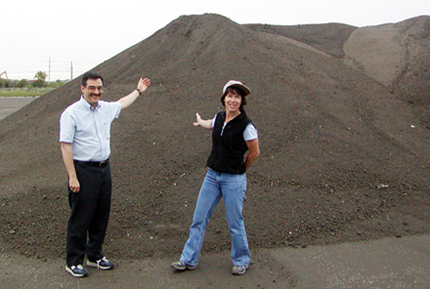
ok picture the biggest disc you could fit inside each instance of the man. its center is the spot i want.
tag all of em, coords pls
(85, 148)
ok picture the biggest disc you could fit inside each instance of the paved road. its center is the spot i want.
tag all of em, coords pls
(9, 105)
(386, 263)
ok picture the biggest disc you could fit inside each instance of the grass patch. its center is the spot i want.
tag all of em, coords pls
(36, 91)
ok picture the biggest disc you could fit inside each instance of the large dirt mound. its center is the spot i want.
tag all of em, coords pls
(345, 156)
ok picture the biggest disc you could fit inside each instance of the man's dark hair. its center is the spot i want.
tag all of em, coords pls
(91, 75)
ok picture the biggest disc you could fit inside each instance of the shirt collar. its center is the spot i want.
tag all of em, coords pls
(240, 116)
(88, 106)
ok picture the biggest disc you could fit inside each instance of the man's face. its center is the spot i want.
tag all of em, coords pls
(93, 91)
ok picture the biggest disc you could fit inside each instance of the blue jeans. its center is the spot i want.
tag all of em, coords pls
(232, 188)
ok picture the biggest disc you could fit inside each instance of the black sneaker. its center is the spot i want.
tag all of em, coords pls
(77, 271)
(181, 266)
(102, 264)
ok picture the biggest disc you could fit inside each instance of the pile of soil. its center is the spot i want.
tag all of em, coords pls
(342, 114)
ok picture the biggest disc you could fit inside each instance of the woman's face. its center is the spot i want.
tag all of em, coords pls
(232, 101)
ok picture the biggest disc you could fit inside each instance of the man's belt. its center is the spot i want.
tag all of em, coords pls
(94, 164)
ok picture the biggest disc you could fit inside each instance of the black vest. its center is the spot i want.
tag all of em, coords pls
(229, 148)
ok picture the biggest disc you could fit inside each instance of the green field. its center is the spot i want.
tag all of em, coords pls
(34, 91)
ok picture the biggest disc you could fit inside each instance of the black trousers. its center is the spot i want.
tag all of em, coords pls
(86, 228)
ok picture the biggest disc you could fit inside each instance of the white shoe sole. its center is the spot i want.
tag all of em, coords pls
(73, 273)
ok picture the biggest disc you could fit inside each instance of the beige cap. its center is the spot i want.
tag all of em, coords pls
(237, 84)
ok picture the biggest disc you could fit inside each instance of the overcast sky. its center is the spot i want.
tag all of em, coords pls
(54, 36)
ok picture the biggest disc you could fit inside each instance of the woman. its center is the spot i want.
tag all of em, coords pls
(233, 135)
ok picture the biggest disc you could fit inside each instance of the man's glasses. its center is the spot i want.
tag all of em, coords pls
(93, 88)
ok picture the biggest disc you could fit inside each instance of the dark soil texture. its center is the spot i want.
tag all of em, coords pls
(342, 114)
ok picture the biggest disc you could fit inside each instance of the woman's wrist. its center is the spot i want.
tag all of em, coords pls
(139, 91)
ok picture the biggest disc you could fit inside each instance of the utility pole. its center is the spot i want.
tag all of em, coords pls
(49, 73)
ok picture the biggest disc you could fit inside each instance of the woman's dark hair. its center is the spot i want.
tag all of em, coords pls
(91, 75)
(238, 91)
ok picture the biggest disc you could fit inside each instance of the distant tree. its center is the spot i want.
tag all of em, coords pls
(21, 83)
(40, 79)
(5, 83)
